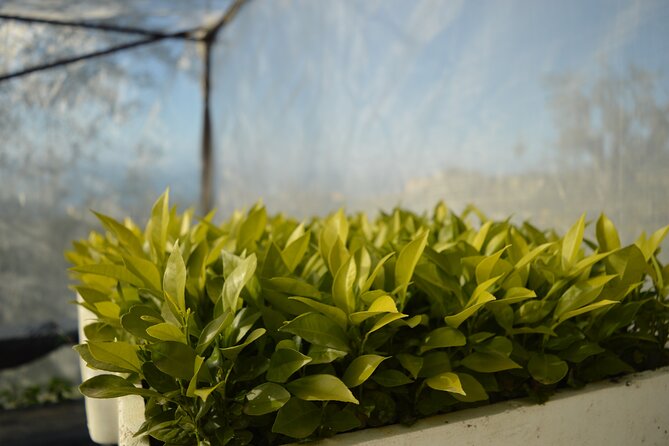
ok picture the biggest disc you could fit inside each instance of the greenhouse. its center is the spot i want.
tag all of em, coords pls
(501, 114)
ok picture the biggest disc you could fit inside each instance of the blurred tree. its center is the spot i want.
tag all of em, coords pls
(616, 123)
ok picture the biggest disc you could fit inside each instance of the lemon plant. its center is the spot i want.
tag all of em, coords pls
(267, 330)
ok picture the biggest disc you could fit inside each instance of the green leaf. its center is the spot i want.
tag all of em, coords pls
(138, 319)
(324, 355)
(284, 363)
(361, 368)
(447, 382)
(586, 309)
(166, 332)
(391, 378)
(512, 296)
(488, 362)
(650, 245)
(587, 262)
(334, 227)
(127, 239)
(252, 228)
(294, 252)
(297, 419)
(292, 287)
(435, 363)
(157, 226)
(236, 281)
(581, 294)
(486, 267)
(385, 320)
(321, 388)
(547, 369)
(407, 261)
(158, 380)
(266, 398)
(318, 329)
(571, 243)
(204, 392)
(174, 281)
(232, 352)
(174, 358)
(112, 386)
(527, 258)
(110, 270)
(375, 272)
(364, 264)
(443, 337)
(382, 304)
(479, 238)
(120, 354)
(91, 295)
(498, 345)
(192, 385)
(473, 389)
(337, 420)
(343, 294)
(108, 310)
(607, 235)
(100, 331)
(212, 330)
(145, 270)
(330, 311)
(533, 311)
(580, 351)
(338, 256)
(85, 354)
(457, 319)
(411, 363)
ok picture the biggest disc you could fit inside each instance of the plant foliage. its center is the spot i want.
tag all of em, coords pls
(266, 330)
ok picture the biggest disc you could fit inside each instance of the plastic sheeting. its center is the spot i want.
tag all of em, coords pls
(542, 110)
(163, 16)
(108, 134)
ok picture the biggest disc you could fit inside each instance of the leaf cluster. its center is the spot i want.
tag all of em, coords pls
(265, 330)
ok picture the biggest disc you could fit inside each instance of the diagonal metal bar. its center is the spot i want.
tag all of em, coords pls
(91, 55)
(99, 26)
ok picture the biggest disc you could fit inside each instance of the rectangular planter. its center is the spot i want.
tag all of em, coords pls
(627, 411)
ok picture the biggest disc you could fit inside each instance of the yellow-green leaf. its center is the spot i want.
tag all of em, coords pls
(342, 287)
(447, 382)
(607, 235)
(166, 332)
(321, 387)
(118, 353)
(361, 368)
(571, 243)
(407, 260)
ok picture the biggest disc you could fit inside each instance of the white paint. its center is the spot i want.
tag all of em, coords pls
(130, 419)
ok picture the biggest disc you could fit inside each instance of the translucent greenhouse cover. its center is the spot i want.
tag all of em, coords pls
(538, 109)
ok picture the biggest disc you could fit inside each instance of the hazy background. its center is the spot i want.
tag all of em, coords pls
(539, 109)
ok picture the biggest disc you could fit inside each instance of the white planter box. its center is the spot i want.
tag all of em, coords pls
(631, 411)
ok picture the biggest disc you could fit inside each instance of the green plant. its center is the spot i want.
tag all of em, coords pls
(56, 390)
(264, 330)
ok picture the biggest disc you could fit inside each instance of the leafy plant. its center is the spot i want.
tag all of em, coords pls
(56, 390)
(265, 330)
